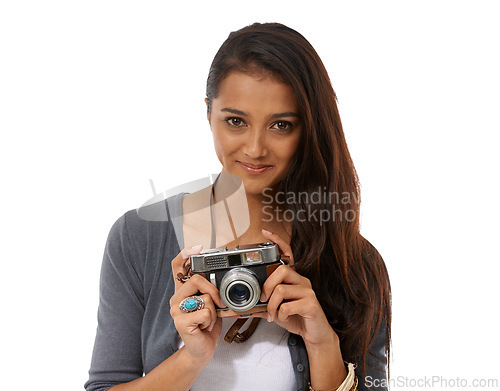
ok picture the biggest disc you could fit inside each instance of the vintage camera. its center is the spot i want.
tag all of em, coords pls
(238, 273)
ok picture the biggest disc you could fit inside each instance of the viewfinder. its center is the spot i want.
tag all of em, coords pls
(252, 257)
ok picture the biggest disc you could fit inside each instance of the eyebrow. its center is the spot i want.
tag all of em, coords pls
(277, 115)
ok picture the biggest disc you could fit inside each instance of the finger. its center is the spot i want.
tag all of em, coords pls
(208, 304)
(288, 292)
(262, 315)
(282, 244)
(282, 275)
(193, 322)
(179, 262)
(297, 307)
(197, 284)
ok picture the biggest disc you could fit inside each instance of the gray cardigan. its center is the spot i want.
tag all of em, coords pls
(135, 331)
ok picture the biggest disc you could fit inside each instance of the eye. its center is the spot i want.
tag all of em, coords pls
(234, 121)
(283, 126)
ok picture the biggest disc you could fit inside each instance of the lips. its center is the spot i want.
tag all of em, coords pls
(254, 169)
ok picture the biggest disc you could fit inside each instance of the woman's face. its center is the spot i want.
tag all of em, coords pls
(256, 128)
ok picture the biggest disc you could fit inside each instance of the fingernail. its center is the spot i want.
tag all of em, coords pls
(262, 297)
(267, 232)
(197, 247)
(269, 318)
(211, 327)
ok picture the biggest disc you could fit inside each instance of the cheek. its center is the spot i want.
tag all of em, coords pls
(218, 148)
(222, 145)
(288, 151)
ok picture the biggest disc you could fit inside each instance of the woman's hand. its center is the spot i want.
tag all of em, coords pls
(200, 330)
(292, 303)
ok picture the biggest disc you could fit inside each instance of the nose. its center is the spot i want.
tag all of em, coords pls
(255, 145)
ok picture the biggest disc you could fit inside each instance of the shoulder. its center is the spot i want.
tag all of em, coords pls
(150, 226)
(140, 247)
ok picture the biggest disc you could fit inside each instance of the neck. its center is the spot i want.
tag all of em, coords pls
(261, 210)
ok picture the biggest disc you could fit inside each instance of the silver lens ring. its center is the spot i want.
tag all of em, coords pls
(240, 289)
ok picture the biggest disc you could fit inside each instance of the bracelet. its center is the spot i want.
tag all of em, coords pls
(349, 384)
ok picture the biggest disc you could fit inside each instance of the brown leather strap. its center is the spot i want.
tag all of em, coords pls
(242, 337)
(233, 334)
(233, 330)
(227, 313)
(183, 278)
(287, 260)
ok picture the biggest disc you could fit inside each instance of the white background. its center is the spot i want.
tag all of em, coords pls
(98, 97)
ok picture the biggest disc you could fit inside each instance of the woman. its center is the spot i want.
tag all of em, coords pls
(276, 127)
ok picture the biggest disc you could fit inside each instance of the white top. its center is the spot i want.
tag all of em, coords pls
(261, 363)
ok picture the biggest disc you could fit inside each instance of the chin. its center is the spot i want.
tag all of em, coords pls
(255, 184)
(258, 188)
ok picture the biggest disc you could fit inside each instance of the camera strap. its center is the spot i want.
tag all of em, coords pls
(213, 238)
(212, 223)
(233, 334)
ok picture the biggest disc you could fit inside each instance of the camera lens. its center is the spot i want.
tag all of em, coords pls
(239, 293)
(239, 289)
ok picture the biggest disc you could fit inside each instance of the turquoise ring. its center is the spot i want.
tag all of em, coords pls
(191, 304)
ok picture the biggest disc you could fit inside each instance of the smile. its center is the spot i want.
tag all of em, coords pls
(253, 169)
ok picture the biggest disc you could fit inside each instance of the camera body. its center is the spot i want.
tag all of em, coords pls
(238, 273)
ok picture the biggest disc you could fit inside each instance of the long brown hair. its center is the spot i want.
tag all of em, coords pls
(347, 273)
